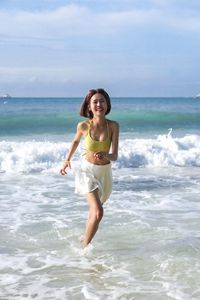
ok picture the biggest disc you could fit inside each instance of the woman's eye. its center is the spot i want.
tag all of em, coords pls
(98, 101)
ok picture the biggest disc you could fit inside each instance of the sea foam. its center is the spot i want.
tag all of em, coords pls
(161, 151)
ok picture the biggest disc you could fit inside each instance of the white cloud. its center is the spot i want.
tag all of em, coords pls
(81, 44)
(190, 24)
(38, 24)
(28, 74)
(18, 75)
(70, 20)
(74, 20)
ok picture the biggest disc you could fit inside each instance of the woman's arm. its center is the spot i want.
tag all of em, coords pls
(115, 142)
(72, 150)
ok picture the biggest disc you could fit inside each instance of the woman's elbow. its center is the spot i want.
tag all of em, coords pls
(115, 156)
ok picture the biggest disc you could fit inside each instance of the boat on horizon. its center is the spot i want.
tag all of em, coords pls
(5, 96)
(197, 96)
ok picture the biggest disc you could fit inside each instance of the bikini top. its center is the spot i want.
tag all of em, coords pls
(94, 145)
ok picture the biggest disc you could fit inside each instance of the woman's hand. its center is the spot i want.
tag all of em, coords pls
(66, 165)
(100, 155)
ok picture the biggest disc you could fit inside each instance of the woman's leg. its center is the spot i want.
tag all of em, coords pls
(94, 218)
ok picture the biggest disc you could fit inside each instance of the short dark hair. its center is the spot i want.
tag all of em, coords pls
(84, 111)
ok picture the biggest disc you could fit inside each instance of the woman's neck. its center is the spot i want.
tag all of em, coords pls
(99, 121)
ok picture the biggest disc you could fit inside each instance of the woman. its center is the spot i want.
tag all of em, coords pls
(94, 179)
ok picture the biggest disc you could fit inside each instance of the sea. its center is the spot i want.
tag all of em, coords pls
(148, 243)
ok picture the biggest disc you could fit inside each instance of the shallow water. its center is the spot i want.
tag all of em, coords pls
(147, 246)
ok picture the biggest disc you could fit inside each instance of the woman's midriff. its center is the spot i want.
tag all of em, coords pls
(89, 156)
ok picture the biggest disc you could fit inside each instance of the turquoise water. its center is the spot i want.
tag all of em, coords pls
(148, 244)
(57, 116)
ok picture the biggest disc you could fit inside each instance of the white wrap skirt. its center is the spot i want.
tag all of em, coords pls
(90, 177)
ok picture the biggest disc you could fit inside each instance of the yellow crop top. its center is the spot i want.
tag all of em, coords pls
(95, 146)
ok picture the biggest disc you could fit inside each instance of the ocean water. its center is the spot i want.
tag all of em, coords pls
(148, 244)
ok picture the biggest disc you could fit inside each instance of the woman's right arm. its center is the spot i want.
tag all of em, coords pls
(72, 150)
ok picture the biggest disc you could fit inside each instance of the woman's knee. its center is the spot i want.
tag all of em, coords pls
(96, 208)
(97, 214)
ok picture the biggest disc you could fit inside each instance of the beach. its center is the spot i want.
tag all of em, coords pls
(148, 244)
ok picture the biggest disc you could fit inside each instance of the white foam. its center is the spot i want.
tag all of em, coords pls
(161, 151)
(88, 250)
(141, 248)
(89, 293)
(31, 156)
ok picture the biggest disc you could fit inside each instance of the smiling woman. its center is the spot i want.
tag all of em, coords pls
(94, 178)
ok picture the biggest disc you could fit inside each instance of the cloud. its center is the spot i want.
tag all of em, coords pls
(128, 43)
(40, 24)
(181, 24)
(70, 20)
(74, 21)
(31, 74)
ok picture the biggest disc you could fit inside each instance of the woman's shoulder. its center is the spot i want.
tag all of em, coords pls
(113, 127)
(112, 124)
(83, 125)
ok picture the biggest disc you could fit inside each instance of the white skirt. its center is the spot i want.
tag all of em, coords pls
(90, 177)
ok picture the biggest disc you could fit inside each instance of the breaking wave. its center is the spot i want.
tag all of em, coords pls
(161, 151)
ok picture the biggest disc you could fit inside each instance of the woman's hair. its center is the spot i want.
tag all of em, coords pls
(84, 110)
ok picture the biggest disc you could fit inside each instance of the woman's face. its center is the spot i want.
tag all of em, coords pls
(98, 105)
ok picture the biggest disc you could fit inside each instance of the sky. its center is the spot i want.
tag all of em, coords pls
(60, 48)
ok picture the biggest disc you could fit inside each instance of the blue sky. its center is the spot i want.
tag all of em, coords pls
(129, 47)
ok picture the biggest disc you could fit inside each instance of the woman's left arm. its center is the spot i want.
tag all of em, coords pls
(115, 142)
